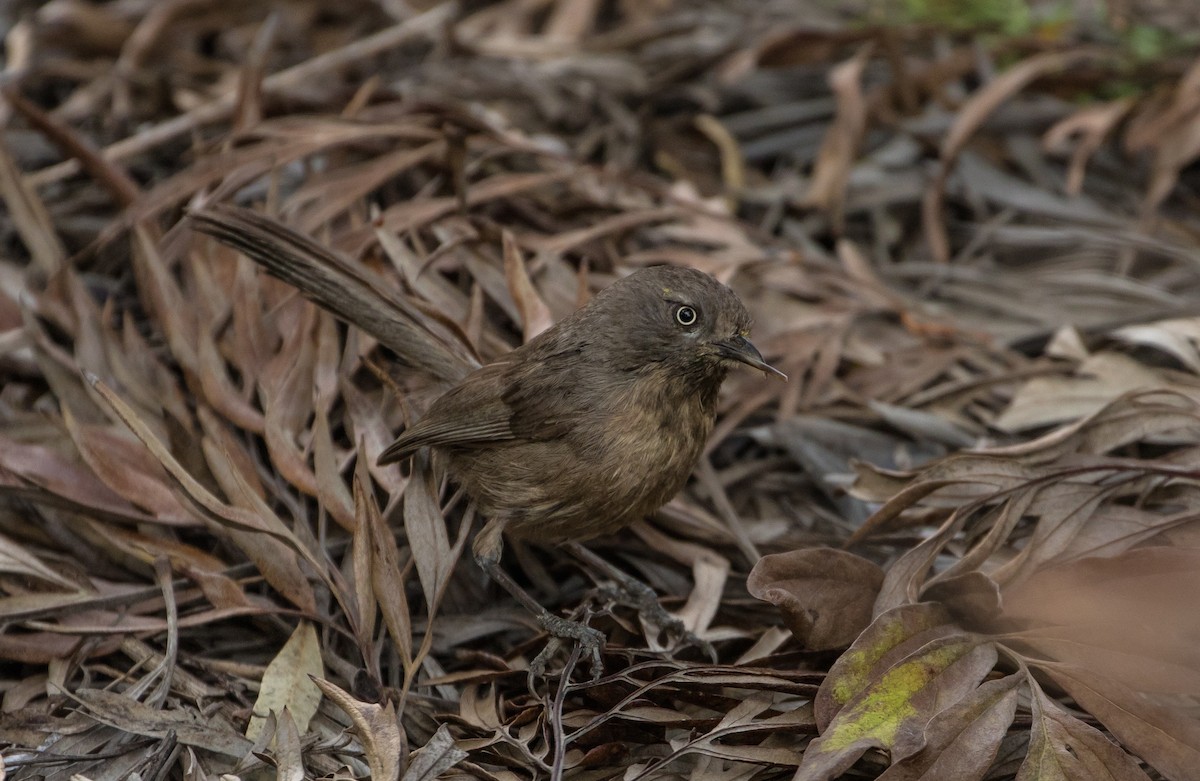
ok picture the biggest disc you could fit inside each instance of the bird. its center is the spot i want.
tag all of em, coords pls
(593, 424)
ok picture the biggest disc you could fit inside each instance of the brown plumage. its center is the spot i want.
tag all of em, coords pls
(598, 421)
(592, 425)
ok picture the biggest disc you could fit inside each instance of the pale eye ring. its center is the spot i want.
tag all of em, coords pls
(686, 316)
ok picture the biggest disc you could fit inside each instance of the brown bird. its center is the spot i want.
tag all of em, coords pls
(592, 425)
(595, 423)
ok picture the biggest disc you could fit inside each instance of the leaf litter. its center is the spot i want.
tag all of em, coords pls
(972, 516)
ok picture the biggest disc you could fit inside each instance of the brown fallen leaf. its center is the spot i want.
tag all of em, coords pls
(1063, 747)
(962, 741)
(825, 595)
(903, 670)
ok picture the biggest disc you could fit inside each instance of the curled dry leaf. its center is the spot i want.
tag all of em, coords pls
(825, 595)
(382, 739)
(1091, 125)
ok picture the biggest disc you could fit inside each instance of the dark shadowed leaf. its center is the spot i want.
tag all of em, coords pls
(126, 713)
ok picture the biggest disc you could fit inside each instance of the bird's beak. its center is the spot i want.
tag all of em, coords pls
(739, 348)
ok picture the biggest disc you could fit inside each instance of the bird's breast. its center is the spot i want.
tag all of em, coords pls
(654, 435)
(618, 464)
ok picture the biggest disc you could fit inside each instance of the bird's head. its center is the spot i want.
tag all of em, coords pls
(681, 319)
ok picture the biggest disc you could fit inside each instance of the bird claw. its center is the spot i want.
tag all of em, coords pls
(590, 642)
(644, 600)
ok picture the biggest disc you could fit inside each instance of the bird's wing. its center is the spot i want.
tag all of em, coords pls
(470, 412)
(502, 402)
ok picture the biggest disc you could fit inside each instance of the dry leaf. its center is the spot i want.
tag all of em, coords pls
(287, 682)
(825, 595)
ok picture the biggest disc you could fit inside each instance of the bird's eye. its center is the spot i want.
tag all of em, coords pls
(686, 316)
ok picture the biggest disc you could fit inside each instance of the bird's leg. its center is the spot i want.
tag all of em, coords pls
(488, 546)
(639, 596)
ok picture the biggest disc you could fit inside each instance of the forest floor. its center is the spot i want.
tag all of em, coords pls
(962, 542)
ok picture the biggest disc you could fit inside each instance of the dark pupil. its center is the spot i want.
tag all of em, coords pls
(686, 315)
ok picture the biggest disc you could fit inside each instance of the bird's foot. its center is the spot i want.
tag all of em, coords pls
(637, 595)
(590, 642)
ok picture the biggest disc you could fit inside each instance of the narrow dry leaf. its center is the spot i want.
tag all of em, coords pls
(387, 577)
(30, 216)
(362, 604)
(289, 762)
(286, 389)
(16, 559)
(382, 739)
(535, 315)
(236, 519)
(38, 470)
(331, 488)
(831, 172)
(425, 527)
(277, 562)
(287, 682)
(126, 467)
(826, 595)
